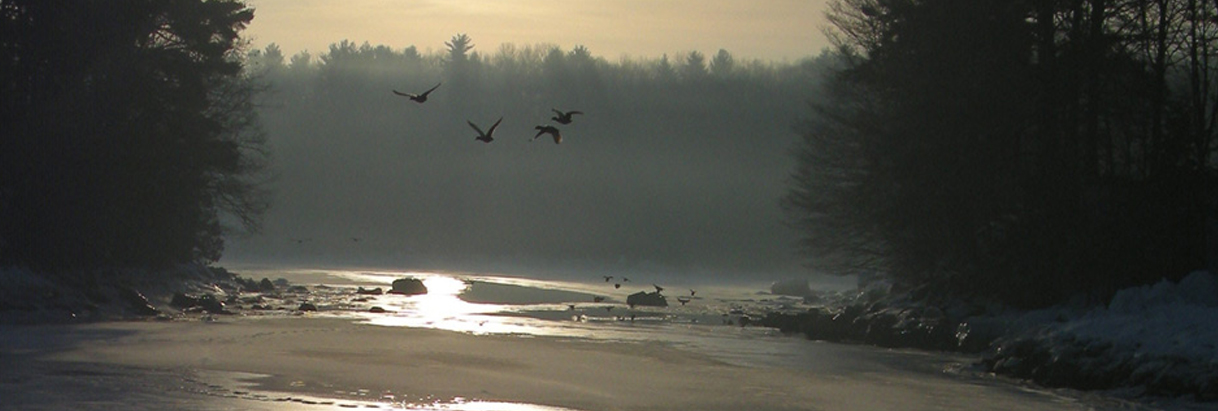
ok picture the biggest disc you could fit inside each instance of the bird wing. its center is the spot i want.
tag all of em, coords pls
(493, 126)
(557, 136)
(574, 113)
(433, 88)
(559, 112)
(475, 126)
(404, 94)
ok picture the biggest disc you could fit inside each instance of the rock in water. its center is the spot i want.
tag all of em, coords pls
(307, 307)
(408, 286)
(207, 302)
(136, 301)
(795, 287)
(211, 304)
(266, 285)
(183, 301)
(647, 299)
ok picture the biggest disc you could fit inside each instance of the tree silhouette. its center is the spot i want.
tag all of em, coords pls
(458, 48)
(131, 138)
(722, 65)
(695, 66)
(1048, 155)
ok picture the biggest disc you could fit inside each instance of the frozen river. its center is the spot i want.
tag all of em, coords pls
(685, 356)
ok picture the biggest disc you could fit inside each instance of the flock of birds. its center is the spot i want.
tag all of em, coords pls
(618, 284)
(561, 117)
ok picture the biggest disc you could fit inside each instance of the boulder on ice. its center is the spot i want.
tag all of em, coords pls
(408, 286)
(647, 299)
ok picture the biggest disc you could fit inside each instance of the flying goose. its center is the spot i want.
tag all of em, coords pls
(421, 97)
(564, 117)
(488, 135)
(551, 130)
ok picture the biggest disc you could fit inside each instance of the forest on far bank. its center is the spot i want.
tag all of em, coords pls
(676, 165)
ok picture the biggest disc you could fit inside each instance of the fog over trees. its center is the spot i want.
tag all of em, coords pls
(1024, 151)
(678, 164)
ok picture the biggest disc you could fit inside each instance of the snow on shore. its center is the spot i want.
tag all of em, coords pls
(30, 298)
(1158, 339)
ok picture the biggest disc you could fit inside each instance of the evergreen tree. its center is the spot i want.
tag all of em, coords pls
(130, 136)
(1030, 160)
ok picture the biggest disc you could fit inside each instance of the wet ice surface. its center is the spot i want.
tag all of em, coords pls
(50, 385)
(477, 305)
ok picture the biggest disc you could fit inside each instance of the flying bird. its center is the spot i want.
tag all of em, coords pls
(683, 300)
(692, 292)
(488, 135)
(617, 285)
(421, 97)
(608, 277)
(551, 130)
(658, 288)
(564, 117)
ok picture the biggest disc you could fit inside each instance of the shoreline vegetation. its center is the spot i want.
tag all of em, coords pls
(1148, 341)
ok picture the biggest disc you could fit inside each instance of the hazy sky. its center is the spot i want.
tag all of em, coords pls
(766, 29)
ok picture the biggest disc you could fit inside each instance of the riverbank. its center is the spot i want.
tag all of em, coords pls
(1151, 341)
(269, 350)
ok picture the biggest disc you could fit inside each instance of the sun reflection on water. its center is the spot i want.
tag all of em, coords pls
(442, 308)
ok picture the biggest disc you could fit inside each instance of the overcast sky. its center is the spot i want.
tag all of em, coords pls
(765, 29)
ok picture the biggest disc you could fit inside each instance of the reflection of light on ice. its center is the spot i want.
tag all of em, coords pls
(442, 308)
(461, 405)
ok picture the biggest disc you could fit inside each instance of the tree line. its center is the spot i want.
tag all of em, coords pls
(678, 160)
(1020, 151)
(130, 138)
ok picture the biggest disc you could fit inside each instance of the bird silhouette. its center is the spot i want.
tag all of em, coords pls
(658, 288)
(551, 130)
(692, 292)
(683, 300)
(564, 117)
(617, 285)
(488, 135)
(421, 97)
(598, 299)
(608, 277)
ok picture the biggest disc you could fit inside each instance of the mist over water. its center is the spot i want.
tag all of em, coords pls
(674, 168)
